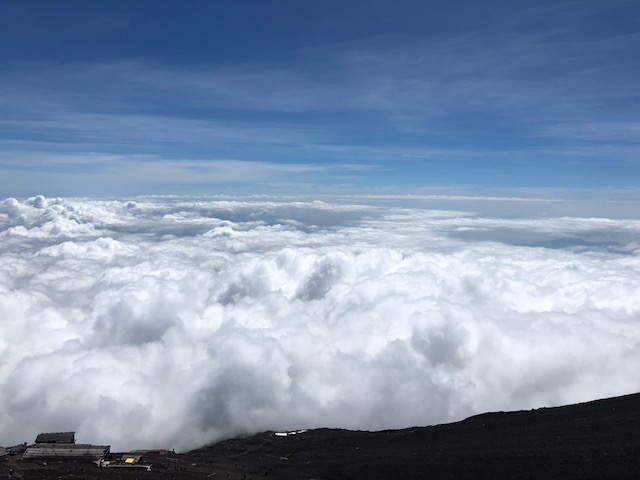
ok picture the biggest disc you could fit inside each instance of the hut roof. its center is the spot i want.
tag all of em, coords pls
(59, 437)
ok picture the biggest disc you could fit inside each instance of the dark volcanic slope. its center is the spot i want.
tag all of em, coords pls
(598, 439)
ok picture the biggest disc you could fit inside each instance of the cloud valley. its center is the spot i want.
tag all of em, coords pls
(172, 321)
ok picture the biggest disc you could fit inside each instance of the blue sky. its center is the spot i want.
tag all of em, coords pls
(200, 97)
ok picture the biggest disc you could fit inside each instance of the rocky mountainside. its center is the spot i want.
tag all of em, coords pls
(599, 439)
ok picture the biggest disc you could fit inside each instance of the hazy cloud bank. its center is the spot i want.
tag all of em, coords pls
(174, 322)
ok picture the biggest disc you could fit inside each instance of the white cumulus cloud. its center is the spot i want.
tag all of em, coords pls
(172, 322)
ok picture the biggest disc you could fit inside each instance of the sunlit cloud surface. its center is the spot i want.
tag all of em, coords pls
(169, 322)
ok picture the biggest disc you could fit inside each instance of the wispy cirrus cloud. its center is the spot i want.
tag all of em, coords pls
(98, 172)
(545, 91)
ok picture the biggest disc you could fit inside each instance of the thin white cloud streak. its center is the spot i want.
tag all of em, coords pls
(170, 322)
(100, 174)
(457, 197)
(596, 132)
(130, 129)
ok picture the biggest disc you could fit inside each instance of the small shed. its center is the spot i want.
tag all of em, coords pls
(17, 449)
(130, 458)
(59, 437)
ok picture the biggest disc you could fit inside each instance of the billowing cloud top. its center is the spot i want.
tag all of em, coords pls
(172, 322)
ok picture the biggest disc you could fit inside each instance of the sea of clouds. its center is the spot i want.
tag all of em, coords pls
(173, 322)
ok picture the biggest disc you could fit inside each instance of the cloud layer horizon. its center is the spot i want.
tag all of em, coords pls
(171, 322)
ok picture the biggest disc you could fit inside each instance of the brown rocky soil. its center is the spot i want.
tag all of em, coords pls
(599, 439)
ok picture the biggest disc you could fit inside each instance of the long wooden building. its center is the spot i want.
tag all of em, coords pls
(60, 450)
(63, 445)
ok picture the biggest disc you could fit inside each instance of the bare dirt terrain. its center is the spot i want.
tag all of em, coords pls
(599, 439)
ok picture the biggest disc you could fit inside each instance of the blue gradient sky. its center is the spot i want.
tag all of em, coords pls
(499, 97)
